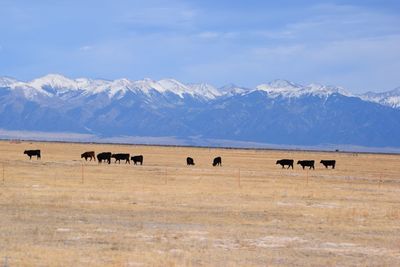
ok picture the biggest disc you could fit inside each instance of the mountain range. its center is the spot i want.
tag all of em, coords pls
(279, 112)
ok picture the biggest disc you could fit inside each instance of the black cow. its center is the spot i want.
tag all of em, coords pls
(306, 163)
(104, 156)
(284, 162)
(217, 161)
(89, 154)
(137, 159)
(327, 163)
(31, 153)
(119, 156)
(189, 161)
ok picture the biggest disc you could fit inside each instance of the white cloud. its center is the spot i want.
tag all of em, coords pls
(86, 48)
(208, 35)
(212, 35)
(171, 16)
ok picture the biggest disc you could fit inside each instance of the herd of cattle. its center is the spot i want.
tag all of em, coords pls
(107, 156)
(306, 163)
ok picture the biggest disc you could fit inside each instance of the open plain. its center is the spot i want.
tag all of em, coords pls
(63, 211)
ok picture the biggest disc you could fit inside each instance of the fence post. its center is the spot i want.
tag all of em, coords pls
(5, 261)
(239, 178)
(307, 176)
(3, 173)
(82, 174)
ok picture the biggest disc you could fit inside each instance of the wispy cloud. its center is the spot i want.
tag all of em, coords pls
(172, 17)
(86, 48)
(217, 42)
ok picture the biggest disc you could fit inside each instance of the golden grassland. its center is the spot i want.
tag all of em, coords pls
(63, 211)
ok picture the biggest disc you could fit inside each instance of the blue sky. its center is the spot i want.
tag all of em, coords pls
(354, 44)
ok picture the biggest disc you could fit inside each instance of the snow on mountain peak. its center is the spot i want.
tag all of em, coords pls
(324, 90)
(55, 81)
(390, 98)
(55, 84)
(280, 88)
(289, 89)
(147, 84)
(279, 83)
(205, 89)
(176, 87)
(7, 81)
(173, 86)
(233, 89)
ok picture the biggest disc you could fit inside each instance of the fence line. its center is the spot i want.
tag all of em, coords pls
(242, 176)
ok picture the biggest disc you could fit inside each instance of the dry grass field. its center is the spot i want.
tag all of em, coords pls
(63, 211)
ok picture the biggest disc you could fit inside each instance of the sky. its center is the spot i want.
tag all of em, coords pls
(353, 44)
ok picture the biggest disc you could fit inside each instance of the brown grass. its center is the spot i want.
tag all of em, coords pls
(249, 212)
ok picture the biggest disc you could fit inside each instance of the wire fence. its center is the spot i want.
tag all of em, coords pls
(81, 172)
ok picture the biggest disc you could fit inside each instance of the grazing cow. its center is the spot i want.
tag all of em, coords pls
(31, 153)
(284, 162)
(217, 161)
(327, 163)
(89, 154)
(104, 156)
(137, 159)
(119, 156)
(189, 161)
(306, 163)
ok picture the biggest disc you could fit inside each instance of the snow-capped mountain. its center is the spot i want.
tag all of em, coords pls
(279, 112)
(390, 98)
(289, 89)
(55, 84)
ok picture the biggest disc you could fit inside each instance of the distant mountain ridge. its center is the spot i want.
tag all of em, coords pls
(280, 112)
(390, 98)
